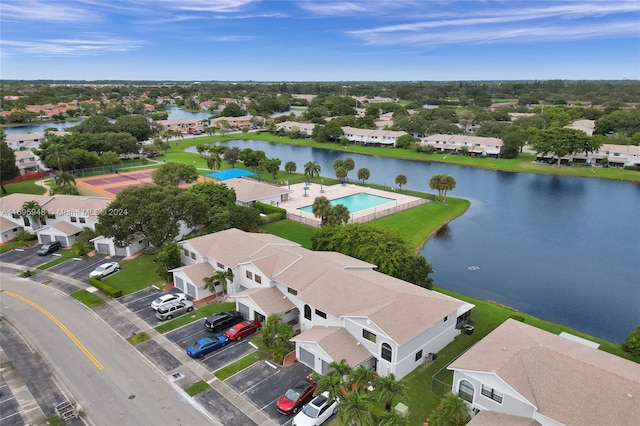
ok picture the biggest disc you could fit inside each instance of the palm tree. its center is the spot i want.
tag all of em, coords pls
(214, 162)
(355, 409)
(332, 383)
(452, 411)
(364, 174)
(338, 215)
(442, 183)
(312, 169)
(392, 418)
(64, 179)
(220, 277)
(389, 387)
(341, 174)
(34, 213)
(321, 208)
(56, 152)
(362, 377)
(401, 180)
(349, 165)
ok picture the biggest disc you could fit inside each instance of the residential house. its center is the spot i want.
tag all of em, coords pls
(372, 137)
(233, 122)
(486, 147)
(529, 376)
(24, 141)
(288, 126)
(182, 125)
(341, 305)
(610, 154)
(66, 216)
(587, 126)
(249, 191)
(27, 161)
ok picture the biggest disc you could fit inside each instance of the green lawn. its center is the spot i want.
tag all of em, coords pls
(12, 245)
(136, 274)
(292, 231)
(201, 312)
(87, 298)
(65, 255)
(239, 365)
(26, 187)
(196, 388)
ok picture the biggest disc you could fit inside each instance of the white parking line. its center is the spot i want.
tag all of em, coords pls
(269, 404)
(219, 351)
(266, 378)
(9, 416)
(8, 399)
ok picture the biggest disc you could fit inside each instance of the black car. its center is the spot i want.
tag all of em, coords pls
(222, 321)
(49, 248)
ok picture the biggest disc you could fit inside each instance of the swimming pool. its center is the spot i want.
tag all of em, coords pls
(355, 202)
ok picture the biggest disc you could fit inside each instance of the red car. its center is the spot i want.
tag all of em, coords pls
(296, 397)
(241, 329)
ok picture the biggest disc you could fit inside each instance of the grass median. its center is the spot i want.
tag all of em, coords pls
(87, 298)
(136, 274)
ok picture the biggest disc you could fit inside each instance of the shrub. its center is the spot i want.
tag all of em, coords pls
(632, 343)
(24, 236)
(517, 318)
(104, 287)
(269, 210)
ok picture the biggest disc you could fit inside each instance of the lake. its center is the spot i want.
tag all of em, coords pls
(563, 249)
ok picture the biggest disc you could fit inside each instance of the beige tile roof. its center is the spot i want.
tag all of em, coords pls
(567, 381)
(270, 299)
(66, 228)
(233, 246)
(491, 418)
(197, 273)
(401, 309)
(248, 190)
(337, 342)
(14, 202)
(6, 224)
(77, 205)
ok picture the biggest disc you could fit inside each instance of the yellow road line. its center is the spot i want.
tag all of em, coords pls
(62, 327)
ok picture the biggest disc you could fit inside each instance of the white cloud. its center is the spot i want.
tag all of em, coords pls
(206, 5)
(92, 45)
(34, 10)
(333, 8)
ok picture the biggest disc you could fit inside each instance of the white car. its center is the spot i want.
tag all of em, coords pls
(105, 269)
(316, 412)
(167, 298)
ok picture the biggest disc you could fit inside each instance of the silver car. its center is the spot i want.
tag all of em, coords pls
(174, 309)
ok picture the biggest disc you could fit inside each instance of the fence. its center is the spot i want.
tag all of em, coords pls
(442, 381)
(105, 170)
(28, 176)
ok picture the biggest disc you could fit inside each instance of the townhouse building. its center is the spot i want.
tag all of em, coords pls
(342, 307)
(181, 125)
(234, 122)
(27, 161)
(521, 375)
(488, 147)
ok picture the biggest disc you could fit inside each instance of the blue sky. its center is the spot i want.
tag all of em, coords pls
(261, 40)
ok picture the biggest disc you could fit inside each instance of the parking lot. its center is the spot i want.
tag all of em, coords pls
(9, 408)
(81, 268)
(263, 383)
(140, 303)
(27, 257)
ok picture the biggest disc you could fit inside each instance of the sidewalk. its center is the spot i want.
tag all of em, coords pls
(124, 323)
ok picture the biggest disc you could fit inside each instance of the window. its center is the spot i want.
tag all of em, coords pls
(73, 219)
(292, 291)
(386, 352)
(307, 312)
(321, 314)
(369, 335)
(465, 391)
(492, 394)
(186, 252)
(220, 265)
(249, 275)
(82, 220)
(419, 355)
(445, 319)
(193, 256)
(258, 279)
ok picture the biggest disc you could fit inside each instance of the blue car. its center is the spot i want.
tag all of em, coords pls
(207, 345)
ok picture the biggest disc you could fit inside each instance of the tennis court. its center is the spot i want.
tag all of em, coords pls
(110, 185)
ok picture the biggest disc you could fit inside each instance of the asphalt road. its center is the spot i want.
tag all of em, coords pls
(110, 380)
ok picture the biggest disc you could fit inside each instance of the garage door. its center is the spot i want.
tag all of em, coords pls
(307, 358)
(121, 251)
(103, 248)
(191, 290)
(62, 240)
(244, 310)
(45, 238)
(179, 283)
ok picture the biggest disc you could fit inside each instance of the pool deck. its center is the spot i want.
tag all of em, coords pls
(298, 199)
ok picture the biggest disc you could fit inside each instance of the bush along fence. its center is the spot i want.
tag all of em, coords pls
(105, 288)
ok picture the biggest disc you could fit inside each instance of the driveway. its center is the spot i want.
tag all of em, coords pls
(263, 383)
(140, 303)
(81, 268)
(27, 257)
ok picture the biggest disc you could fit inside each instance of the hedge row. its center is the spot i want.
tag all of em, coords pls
(105, 288)
(269, 210)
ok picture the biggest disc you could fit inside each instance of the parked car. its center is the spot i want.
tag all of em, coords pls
(206, 345)
(222, 321)
(49, 248)
(105, 269)
(316, 412)
(166, 298)
(174, 309)
(242, 329)
(298, 395)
